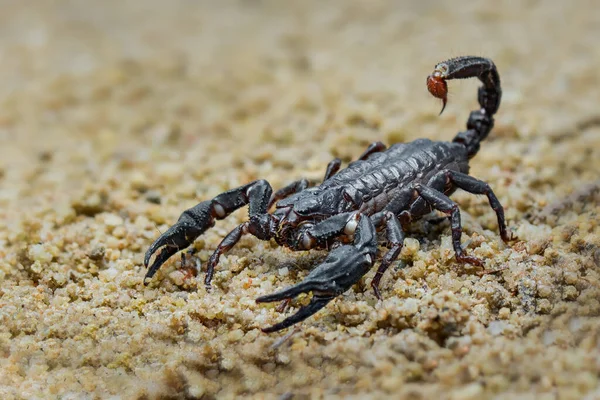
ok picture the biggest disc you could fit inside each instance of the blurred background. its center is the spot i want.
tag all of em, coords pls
(79, 75)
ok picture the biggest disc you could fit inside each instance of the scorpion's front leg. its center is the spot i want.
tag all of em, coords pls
(342, 268)
(196, 220)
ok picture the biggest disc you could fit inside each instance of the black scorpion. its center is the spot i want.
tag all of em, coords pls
(383, 190)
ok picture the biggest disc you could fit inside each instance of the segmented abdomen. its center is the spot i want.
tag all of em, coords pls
(369, 185)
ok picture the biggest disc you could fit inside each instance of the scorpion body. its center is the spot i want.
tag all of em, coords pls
(383, 190)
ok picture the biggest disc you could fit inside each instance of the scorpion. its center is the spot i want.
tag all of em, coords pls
(383, 191)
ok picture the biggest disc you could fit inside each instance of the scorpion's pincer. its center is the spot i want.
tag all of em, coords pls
(178, 237)
(342, 268)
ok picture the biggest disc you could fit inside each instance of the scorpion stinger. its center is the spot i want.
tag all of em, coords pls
(342, 268)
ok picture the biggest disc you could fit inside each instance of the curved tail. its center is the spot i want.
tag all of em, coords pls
(481, 121)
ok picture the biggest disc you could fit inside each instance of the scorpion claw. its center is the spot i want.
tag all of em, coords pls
(176, 238)
(316, 303)
(342, 268)
(160, 259)
(288, 293)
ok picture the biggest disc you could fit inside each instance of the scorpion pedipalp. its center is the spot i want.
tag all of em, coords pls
(195, 221)
(342, 268)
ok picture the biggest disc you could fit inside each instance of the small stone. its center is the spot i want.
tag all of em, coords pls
(235, 335)
(411, 247)
(570, 292)
(153, 196)
(169, 171)
(544, 306)
(139, 181)
(409, 307)
(40, 253)
(113, 220)
(177, 277)
(570, 277)
(497, 328)
(347, 373)
(97, 253)
(89, 206)
(471, 391)
(119, 232)
(544, 291)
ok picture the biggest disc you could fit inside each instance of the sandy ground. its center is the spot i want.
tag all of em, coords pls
(116, 116)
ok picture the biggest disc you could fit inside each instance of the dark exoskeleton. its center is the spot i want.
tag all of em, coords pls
(383, 190)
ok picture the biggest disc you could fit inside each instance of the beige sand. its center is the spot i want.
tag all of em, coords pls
(109, 108)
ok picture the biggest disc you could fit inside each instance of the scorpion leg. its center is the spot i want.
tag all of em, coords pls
(294, 187)
(196, 220)
(395, 235)
(332, 168)
(374, 147)
(475, 186)
(342, 268)
(396, 219)
(226, 244)
(301, 184)
(262, 225)
(441, 202)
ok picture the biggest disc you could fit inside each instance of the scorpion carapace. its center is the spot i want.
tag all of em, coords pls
(382, 190)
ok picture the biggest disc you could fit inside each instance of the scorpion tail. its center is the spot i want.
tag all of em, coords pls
(481, 121)
(342, 268)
